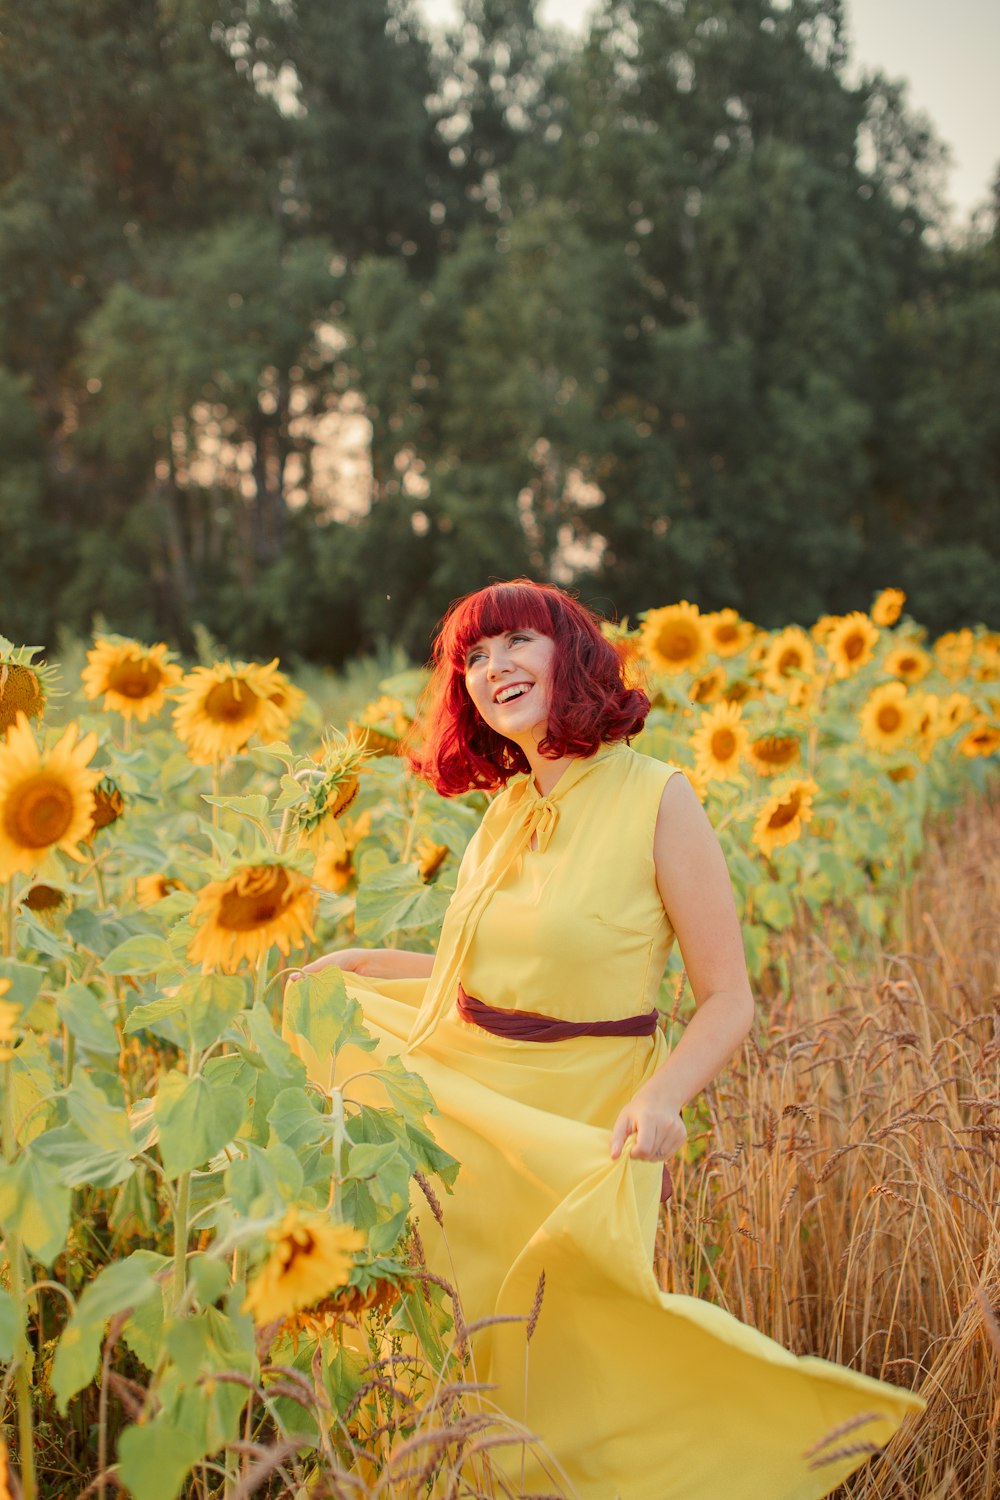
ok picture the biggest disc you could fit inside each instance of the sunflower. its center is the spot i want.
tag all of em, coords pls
(286, 698)
(708, 687)
(719, 741)
(728, 635)
(910, 663)
(109, 804)
(46, 800)
(739, 691)
(334, 867)
(957, 709)
(771, 753)
(675, 638)
(318, 1321)
(953, 652)
(430, 858)
(889, 718)
(380, 726)
(786, 811)
(43, 900)
(888, 607)
(851, 644)
(312, 1256)
(824, 628)
(222, 706)
(330, 789)
(152, 888)
(903, 773)
(8, 1022)
(133, 679)
(249, 911)
(24, 683)
(981, 739)
(788, 663)
(627, 644)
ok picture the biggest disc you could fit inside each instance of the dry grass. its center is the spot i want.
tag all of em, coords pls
(848, 1202)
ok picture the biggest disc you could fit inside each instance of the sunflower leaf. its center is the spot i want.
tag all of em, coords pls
(80, 1012)
(123, 1284)
(196, 1120)
(34, 1203)
(142, 954)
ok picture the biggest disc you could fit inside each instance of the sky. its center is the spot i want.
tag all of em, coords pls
(949, 53)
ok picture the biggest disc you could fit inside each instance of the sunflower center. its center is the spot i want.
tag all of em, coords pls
(134, 677)
(44, 898)
(775, 752)
(853, 645)
(785, 812)
(298, 1246)
(39, 811)
(889, 718)
(678, 643)
(230, 702)
(725, 634)
(723, 744)
(20, 692)
(250, 908)
(790, 660)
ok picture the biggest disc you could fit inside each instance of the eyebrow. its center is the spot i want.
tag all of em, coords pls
(514, 630)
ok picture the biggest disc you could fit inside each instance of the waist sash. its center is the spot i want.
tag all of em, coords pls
(531, 1026)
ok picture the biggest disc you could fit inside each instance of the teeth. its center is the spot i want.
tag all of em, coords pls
(509, 693)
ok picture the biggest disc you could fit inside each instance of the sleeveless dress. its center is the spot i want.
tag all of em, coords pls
(639, 1394)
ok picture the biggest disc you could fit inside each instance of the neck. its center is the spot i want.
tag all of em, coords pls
(547, 772)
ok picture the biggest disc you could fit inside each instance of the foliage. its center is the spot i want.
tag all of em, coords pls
(672, 310)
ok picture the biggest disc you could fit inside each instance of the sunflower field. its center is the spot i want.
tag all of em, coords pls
(211, 1283)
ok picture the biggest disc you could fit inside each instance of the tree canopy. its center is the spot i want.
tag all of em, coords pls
(311, 320)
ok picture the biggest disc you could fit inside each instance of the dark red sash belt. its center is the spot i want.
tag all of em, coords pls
(530, 1026)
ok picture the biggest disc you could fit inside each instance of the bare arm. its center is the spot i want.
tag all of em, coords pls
(697, 895)
(375, 963)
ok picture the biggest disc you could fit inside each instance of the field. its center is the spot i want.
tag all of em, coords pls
(211, 1286)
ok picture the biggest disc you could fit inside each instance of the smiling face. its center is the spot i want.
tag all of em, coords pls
(509, 679)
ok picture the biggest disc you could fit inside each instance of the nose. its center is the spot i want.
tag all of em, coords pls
(498, 660)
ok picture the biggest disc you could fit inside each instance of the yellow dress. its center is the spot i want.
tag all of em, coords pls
(640, 1395)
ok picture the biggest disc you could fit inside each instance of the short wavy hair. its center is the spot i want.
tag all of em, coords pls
(456, 751)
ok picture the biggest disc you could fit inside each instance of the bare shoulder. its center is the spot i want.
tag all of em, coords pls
(689, 860)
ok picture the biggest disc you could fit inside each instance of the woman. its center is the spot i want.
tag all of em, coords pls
(535, 1030)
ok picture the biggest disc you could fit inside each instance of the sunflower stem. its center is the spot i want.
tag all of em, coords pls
(16, 1283)
(216, 790)
(10, 918)
(339, 1134)
(69, 1055)
(181, 1236)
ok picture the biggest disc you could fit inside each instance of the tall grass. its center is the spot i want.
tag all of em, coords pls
(847, 1202)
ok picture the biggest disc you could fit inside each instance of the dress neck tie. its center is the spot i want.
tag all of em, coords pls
(519, 815)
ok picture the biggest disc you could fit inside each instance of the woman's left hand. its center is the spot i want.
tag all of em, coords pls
(654, 1121)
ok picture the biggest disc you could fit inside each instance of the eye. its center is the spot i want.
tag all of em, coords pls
(519, 635)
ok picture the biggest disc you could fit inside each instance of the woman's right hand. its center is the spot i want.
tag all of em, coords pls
(348, 959)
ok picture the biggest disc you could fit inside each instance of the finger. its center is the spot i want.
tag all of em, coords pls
(623, 1127)
(645, 1141)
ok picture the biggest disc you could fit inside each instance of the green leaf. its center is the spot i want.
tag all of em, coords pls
(323, 1017)
(25, 981)
(143, 954)
(80, 1012)
(297, 1120)
(11, 1324)
(35, 1204)
(149, 1017)
(397, 900)
(124, 1284)
(408, 1091)
(98, 934)
(155, 1459)
(255, 806)
(195, 1120)
(211, 1003)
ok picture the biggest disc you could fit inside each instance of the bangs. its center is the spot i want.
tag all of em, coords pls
(494, 611)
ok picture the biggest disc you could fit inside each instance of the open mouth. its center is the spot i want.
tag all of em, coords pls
(511, 693)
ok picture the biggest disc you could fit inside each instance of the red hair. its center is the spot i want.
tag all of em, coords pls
(591, 704)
